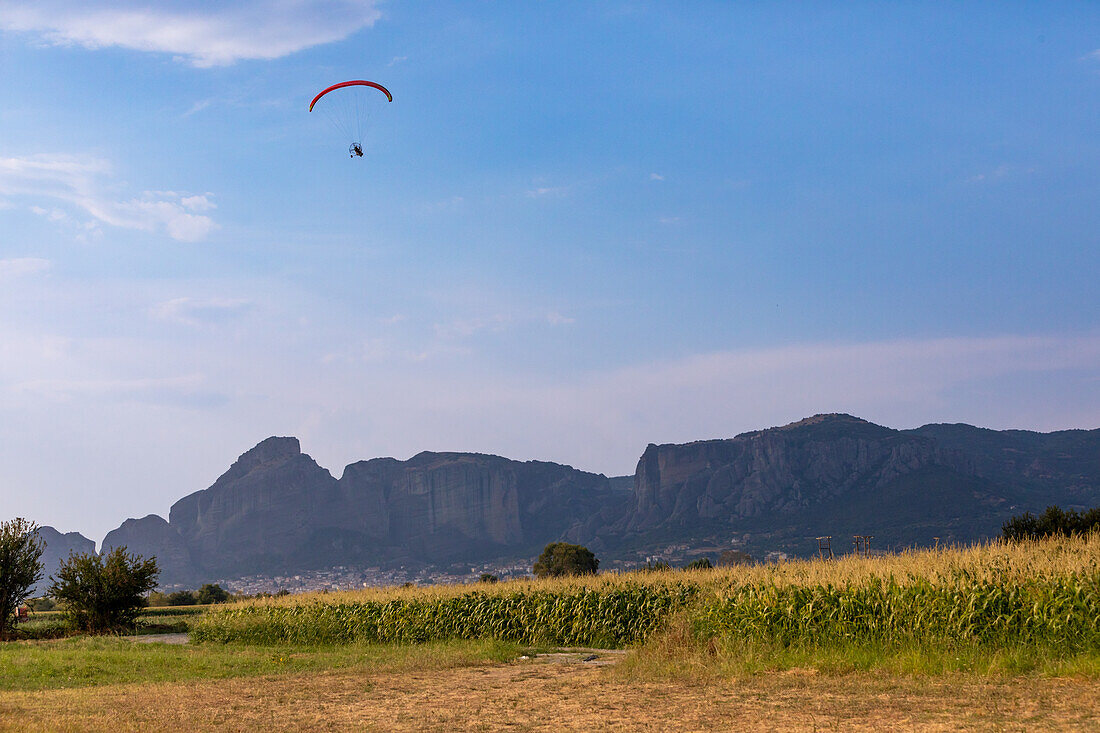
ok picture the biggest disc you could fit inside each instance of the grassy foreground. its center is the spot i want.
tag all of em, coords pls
(105, 661)
(123, 686)
(984, 638)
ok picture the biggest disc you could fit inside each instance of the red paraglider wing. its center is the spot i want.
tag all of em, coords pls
(356, 83)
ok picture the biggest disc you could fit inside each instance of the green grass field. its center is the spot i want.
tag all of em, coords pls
(92, 661)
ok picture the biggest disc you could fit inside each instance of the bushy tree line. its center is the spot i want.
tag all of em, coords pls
(207, 594)
(1053, 522)
(96, 593)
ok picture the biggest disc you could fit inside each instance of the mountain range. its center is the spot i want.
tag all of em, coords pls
(775, 490)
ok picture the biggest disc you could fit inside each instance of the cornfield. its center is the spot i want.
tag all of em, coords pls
(609, 617)
(1044, 592)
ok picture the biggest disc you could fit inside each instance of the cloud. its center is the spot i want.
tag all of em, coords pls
(143, 388)
(1004, 170)
(204, 34)
(22, 266)
(397, 60)
(466, 327)
(199, 311)
(557, 319)
(198, 203)
(535, 193)
(86, 183)
(198, 106)
(656, 177)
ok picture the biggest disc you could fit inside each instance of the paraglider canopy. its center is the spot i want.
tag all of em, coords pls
(355, 83)
(347, 105)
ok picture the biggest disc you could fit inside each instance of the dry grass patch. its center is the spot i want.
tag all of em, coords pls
(534, 696)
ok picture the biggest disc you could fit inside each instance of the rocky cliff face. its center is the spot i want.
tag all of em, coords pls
(57, 548)
(276, 509)
(257, 515)
(780, 471)
(825, 474)
(1061, 468)
(154, 537)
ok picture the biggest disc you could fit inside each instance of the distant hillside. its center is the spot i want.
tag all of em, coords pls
(276, 511)
(1060, 467)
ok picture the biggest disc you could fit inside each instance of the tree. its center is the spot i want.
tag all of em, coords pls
(734, 557)
(20, 566)
(699, 563)
(1054, 521)
(101, 594)
(561, 558)
(489, 578)
(212, 594)
(182, 598)
(654, 566)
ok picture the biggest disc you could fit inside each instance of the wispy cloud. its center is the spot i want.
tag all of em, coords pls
(199, 311)
(397, 60)
(204, 34)
(542, 191)
(22, 266)
(198, 106)
(996, 174)
(656, 177)
(87, 183)
(466, 327)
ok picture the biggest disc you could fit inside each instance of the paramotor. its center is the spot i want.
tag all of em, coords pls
(348, 105)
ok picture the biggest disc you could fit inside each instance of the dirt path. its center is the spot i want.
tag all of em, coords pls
(183, 638)
(556, 692)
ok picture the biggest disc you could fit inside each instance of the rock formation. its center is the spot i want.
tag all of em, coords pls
(154, 537)
(276, 511)
(57, 548)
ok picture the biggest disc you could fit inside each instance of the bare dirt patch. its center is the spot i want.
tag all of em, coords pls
(159, 638)
(560, 692)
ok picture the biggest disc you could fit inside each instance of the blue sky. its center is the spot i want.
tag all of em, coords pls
(579, 228)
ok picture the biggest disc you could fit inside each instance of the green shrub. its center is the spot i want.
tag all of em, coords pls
(101, 594)
(211, 593)
(181, 598)
(702, 563)
(560, 559)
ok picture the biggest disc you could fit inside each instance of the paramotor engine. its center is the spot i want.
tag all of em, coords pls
(349, 105)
